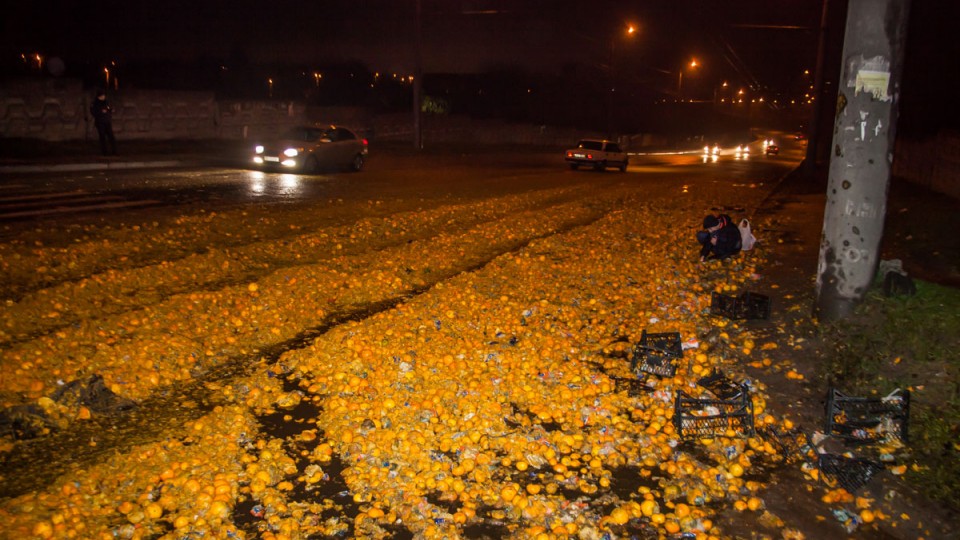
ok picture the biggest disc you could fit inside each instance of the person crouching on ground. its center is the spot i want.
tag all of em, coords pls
(719, 239)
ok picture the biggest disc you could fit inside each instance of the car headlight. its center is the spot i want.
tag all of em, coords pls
(291, 152)
(258, 149)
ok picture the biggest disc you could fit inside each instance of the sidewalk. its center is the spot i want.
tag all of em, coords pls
(916, 229)
(33, 156)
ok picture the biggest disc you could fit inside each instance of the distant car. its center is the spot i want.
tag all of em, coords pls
(711, 153)
(597, 153)
(310, 149)
(772, 150)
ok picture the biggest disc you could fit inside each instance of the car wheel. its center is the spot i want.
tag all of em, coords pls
(357, 163)
(310, 166)
(623, 167)
(574, 166)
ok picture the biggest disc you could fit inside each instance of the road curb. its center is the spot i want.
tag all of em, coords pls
(79, 167)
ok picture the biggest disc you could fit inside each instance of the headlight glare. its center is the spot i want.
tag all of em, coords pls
(290, 152)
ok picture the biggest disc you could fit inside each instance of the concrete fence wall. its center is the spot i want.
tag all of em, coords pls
(464, 130)
(932, 162)
(54, 110)
(59, 110)
(255, 119)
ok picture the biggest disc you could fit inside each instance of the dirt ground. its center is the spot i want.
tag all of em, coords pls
(790, 224)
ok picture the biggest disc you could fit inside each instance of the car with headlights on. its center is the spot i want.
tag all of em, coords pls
(596, 153)
(310, 149)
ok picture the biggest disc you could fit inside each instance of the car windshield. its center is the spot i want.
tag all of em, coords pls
(591, 145)
(304, 134)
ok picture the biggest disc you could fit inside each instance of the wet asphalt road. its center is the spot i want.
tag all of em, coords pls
(103, 197)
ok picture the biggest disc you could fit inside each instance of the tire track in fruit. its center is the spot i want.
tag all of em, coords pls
(33, 464)
(118, 291)
(38, 258)
(192, 331)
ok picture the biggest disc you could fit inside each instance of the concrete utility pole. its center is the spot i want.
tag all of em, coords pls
(862, 152)
(418, 79)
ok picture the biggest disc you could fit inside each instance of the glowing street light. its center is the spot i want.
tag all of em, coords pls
(692, 65)
(629, 32)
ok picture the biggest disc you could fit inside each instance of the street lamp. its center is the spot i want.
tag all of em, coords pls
(692, 65)
(629, 31)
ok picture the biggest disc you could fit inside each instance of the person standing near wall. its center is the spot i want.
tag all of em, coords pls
(103, 119)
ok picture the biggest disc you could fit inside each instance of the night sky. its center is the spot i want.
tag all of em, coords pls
(458, 35)
(766, 44)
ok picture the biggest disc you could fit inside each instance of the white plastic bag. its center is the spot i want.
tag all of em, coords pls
(747, 239)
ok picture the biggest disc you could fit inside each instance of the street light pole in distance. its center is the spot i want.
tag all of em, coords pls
(693, 65)
(629, 31)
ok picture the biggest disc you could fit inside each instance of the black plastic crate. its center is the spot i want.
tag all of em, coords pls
(791, 444)
(867, 420)
(851, 473)
(698, 418)
(723, 305)
(746, 306)
(753, 306)
(719, 385)
(657, 353)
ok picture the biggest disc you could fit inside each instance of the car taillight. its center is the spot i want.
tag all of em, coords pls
(569, 154)
(589, 156)
(365, 143)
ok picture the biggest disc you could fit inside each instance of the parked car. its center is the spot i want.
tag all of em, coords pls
(310, 149)
(772, 150)
(597, 153)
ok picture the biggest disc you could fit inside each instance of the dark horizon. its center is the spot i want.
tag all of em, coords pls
(768, 49)
(458, 37)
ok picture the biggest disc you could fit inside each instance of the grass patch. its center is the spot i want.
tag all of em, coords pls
(913, 343)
